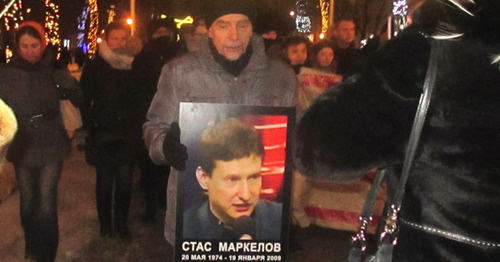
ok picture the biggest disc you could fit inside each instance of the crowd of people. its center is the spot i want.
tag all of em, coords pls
(129, 96)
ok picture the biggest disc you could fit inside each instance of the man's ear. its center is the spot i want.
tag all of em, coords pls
(202, 177)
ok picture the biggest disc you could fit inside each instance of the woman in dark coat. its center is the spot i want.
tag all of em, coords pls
(109, 113)
(32, 87)
(450, 208)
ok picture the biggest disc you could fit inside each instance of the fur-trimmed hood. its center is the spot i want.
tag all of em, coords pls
(119, 59)
(8, 128)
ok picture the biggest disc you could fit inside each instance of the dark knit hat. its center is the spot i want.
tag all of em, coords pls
(168, 23)
(316, 47)
(217, 8)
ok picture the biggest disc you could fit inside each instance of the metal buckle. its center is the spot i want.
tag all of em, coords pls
(390, 229)
(359, 240)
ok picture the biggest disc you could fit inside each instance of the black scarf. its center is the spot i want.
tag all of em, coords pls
(233, 67)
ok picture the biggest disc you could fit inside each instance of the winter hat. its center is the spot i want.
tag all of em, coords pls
(316, 47)
(39, 28)
(217, 8)
(163, 22)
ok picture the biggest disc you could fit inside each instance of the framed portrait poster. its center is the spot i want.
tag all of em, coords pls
(233, 200)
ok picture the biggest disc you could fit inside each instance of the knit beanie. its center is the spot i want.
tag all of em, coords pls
(217, 8)
(39, 28)
(163, 22)
(316, 47)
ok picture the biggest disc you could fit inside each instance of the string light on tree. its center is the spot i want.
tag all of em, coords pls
(12, 16)
(52, 23)
(94, 24)
(111, 13)
(399, 12)
(7, 7)
(82, 22)
(325, 15)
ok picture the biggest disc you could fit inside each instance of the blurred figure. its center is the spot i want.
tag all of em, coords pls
(323, 56)
(32, 86)
(346, 50)
(314, 80)
(146, 68)
(110, 115)
(76, 62)
(294, 51)
(273, 25)
(193, 37)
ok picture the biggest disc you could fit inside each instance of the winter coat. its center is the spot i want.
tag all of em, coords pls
(197, 77)
(147, 67)
(110, 109)
(33, 92)
(345, 58)
(364, 122)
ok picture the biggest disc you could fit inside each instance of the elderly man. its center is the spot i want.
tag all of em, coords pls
(230, 67)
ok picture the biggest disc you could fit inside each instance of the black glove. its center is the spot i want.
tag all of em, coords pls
(175, 152)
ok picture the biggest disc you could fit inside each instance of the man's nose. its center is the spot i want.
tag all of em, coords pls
(244, 191)
(233, 33)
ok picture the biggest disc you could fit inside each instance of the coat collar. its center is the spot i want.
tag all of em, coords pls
(47, 60)
(116, 60)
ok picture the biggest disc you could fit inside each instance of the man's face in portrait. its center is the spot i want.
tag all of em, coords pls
(231, 35)
(233, 187)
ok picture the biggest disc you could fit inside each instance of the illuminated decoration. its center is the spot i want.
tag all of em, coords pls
(52, 23)
(163, 16)
(325, 15)
(180, 22)
(130, 21)
(6, 8)
(111, 14)
(400, 8)
(82, 22)
(311, 37)
(8, 53)
(94, 24)
(303, 20)
(303, 24)
(12, 15)
(399, 12)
